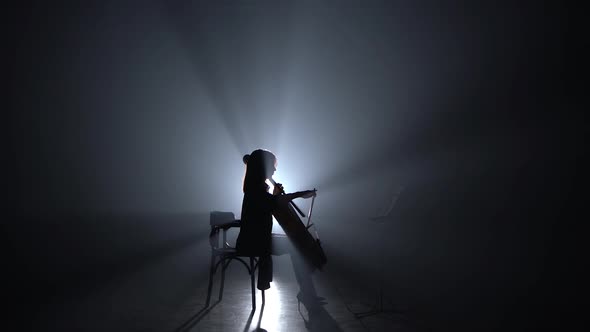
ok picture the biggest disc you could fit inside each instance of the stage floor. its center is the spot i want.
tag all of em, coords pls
(170, 295)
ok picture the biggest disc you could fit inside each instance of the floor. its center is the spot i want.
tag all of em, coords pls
(170, 295)
(281, 311)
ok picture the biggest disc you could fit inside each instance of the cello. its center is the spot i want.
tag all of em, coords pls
(308, 245)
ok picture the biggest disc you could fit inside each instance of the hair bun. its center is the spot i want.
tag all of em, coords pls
(245, 158)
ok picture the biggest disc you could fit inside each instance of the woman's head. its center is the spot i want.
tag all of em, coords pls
(260, 165)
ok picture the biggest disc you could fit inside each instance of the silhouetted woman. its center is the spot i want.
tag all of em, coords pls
(256, 238)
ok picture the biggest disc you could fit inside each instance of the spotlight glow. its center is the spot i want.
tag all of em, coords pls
(271, 316)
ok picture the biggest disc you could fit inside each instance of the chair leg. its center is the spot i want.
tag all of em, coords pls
(210, 280)
(252, 282)
(223, 268)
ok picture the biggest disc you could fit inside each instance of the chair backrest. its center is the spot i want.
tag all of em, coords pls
(217, 218)
(221, 221)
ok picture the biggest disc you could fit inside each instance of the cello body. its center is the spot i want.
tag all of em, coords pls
(308, 246)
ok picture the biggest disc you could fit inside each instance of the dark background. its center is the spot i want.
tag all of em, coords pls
(128, 121)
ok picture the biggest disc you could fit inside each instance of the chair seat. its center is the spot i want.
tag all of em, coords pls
(230, 251)
(226, 251)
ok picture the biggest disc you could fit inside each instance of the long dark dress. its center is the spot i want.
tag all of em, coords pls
(255, 238)
(256, 224)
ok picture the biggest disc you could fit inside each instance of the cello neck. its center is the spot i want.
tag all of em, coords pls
(272, 181)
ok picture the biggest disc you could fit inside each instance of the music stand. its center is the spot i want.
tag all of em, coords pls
(380, 219)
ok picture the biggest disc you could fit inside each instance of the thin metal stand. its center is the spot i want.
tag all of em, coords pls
(378, 306)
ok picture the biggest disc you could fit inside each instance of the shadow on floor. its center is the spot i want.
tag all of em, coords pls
(320, 320)
(196, 318)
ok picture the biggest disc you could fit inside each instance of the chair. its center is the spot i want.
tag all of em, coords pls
(223, 254)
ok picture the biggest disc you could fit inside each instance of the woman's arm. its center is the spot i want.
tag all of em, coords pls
(286, 198)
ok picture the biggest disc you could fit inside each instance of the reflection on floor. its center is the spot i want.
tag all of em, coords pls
(170, 296)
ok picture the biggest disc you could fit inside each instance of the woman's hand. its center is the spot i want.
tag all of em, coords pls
(309, 193)
(278, 189)
(286, 198)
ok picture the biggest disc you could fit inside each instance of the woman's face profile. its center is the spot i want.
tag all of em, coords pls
(271, 168)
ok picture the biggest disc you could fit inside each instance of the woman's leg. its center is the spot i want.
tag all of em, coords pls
(264, 272)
